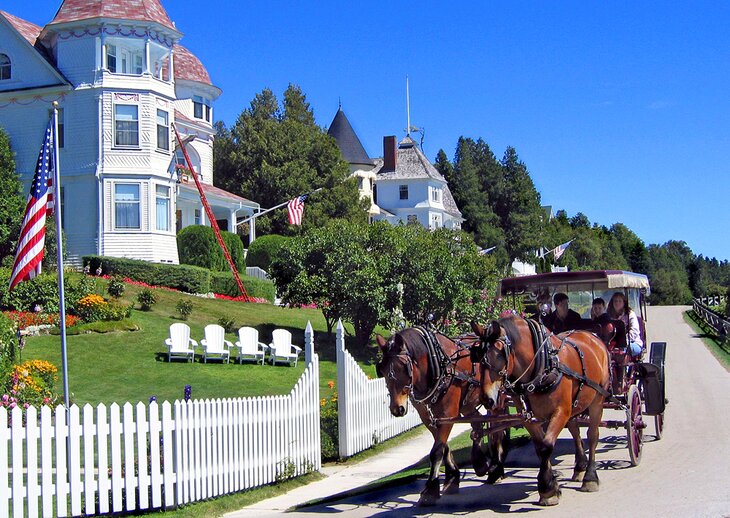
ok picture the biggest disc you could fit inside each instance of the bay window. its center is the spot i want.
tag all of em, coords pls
(126, 125)
(163, 207)
(163, 130)
(126, 206)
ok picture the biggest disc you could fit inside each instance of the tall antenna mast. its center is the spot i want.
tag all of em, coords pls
(408, 109)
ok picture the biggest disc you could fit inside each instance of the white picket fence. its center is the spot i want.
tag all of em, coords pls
(97, 461)
(364, 416)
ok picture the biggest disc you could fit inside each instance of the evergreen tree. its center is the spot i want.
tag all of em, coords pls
(12, 201)
(518, 208)
(273, 153)
(466, 185)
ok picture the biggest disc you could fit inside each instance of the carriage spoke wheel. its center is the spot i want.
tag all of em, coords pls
(634, 424)
(659, 426)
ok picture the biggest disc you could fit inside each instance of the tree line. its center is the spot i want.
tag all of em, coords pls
(275, 151)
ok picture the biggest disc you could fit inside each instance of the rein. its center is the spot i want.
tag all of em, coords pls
(547, 369)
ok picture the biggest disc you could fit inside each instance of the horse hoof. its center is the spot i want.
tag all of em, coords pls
(427, 500)
(451, 487)
(496, 474)
(589, 486)
(547, 501)
(578, 476)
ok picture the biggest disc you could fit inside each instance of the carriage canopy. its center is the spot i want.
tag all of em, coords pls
(581, 286)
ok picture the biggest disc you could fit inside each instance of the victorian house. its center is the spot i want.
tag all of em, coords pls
(122, 80)
(402, 186)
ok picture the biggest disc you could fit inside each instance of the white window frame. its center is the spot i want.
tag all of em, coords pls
(403, 190)
(138, 201)
(164, 196)
(436, 195)
(204, 105)
(123, 59)
(6, 67)
(163, 144)
(116, 142)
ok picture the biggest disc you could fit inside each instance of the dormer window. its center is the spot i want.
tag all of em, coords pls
(201, 108)
(436, 195)
(5, 67)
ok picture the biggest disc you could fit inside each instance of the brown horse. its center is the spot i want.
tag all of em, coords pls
(553, 379)
(438, 376)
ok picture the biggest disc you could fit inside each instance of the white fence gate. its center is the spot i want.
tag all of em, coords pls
(96, 461)
(364, 416)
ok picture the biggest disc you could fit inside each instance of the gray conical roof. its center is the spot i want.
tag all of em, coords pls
(347, 140)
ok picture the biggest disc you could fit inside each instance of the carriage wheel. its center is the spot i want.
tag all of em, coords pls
(659, 425)
(634, 424)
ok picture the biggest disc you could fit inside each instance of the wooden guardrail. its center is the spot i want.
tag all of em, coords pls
(719, 323)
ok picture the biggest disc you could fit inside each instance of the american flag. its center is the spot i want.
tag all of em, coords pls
(30, 250)
(559, 250)
(295, 208)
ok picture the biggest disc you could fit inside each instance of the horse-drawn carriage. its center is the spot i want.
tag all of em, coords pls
(525, 375)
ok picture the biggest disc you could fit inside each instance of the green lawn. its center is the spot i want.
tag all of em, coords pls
(131, 366)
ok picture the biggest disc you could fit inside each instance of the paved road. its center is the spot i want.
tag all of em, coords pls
(687, 473)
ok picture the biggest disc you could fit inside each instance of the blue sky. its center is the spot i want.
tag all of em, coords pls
(620, 111)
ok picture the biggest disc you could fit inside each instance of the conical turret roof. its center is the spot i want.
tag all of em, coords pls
(138, 10)
(347, 140)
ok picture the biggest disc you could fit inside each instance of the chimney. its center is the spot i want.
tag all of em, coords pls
(389, 153)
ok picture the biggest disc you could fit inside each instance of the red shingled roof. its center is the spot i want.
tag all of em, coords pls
(29, 31)
(187, 66)
(141, 10)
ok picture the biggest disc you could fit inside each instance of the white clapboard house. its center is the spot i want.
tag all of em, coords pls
(121, 79)
(403, 186)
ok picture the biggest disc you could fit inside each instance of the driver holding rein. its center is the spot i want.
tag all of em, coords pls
(563, 318)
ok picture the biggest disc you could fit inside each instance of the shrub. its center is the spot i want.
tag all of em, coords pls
(228, 324)
(198, 246)
(263, 250)
(186, 278)
(184, 307)
(91, 308)
(8, 344)
(116, 287)
(146, 299)
(31, 383)
(41, 290)
(224, 284)
(235, 248)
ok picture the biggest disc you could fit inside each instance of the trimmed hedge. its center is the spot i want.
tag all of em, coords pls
(198, 246)
(224, 284)
(263, 250)
(191, 279)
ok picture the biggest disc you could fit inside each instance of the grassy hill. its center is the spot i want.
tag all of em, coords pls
(122, 366)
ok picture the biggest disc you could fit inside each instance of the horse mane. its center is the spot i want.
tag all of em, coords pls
(509, 324)
(413, 342)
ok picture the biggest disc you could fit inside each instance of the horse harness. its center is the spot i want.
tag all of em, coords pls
(548, 370)
(442, 369)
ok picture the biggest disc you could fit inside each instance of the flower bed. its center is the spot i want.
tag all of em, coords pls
(25, 319)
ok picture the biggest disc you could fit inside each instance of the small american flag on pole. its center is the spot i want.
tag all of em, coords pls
(30, 250)
(559, 250)
(295, 208)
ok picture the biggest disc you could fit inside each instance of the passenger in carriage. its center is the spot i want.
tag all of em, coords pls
(598, 312)
(618, 309)
(563, 318)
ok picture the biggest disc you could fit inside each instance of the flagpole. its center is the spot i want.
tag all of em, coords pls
(59, 253)
(273, 208)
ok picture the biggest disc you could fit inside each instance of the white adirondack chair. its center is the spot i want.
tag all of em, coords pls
(179, 342)
(281, 350)
(249, 347)
(215, 344)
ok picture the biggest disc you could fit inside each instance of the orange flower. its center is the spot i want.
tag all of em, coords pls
(331, 384)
